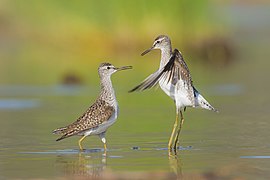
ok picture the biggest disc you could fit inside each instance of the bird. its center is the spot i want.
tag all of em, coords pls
(100, 115)
(175, 80)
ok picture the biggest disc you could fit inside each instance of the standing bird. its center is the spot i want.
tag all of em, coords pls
(174, 79)
(101, 115)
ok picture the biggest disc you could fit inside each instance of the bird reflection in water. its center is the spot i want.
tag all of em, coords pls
(175, 164)
(82, 165)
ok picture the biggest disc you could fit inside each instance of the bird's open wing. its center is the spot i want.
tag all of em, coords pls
(149, 82)
(98, 113)
(175, 70)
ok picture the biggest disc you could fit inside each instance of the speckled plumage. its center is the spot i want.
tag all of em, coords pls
(95, 115)
(101, 114)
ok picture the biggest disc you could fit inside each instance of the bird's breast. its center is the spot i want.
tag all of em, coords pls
(178, 91)
(167, 87)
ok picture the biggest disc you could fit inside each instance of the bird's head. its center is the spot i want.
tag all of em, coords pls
(161, 42)
(107, 69)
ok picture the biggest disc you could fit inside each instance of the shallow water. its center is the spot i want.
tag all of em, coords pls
(231, 144)
(226, 144)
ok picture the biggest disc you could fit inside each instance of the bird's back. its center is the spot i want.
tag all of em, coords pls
(96, 115)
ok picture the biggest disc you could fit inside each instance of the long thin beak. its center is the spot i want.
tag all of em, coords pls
(147, 51)
(123, 68)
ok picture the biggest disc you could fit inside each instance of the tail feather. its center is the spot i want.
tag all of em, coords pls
(65, 132)
(201, 102)
(62, 137)
(60, 130)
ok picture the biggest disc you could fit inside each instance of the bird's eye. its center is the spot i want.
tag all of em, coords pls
(108, 67)
(158, 42)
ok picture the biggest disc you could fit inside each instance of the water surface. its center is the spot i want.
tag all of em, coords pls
(231, 144)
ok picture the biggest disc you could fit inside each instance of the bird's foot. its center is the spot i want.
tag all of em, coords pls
(82, 150)
(104, 154)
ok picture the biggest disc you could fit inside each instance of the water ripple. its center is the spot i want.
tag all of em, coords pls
(18, 103)
(65, 151)
(255, 157)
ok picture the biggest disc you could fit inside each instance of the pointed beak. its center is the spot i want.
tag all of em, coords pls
(147, 51)
(123, 68)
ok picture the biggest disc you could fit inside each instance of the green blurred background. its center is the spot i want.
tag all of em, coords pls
(42, 42)
(49, 54)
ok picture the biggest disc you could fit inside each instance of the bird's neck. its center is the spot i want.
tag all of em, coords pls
(107, 92)
(165, 56)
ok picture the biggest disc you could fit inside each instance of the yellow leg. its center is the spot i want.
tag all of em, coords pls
(103, 139)
(173, 132)
(80, 141)
(176, 140)
(105, 150)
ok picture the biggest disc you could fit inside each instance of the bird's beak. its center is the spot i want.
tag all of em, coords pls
(147, 51)
(123, 68)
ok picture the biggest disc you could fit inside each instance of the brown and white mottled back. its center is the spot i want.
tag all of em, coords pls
(101, 114)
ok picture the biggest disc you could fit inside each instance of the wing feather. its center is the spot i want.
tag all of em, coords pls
(175, 70)
(95, 115)
(149, 82)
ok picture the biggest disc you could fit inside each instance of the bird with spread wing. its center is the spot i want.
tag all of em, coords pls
(175, 80)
